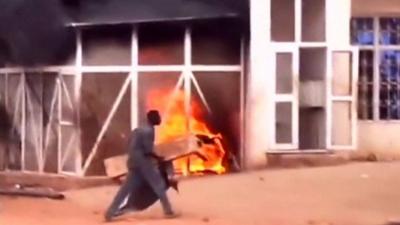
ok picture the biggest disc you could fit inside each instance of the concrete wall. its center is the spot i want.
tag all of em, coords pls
(375, 7)
(338, 17)
(258, 95)
(380, 138)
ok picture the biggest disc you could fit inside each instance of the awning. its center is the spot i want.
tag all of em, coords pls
(102, 12)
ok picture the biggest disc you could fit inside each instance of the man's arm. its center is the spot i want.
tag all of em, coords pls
(148, 145)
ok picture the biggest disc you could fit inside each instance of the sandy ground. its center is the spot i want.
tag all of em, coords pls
(355, 194)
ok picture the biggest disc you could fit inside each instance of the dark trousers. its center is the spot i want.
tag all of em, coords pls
(134, 180)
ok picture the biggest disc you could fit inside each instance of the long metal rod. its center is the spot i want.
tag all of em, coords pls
(134, 78)
(187, 83)
(40, 134)
(200, 92)
(77, 95)
(22, 95)
(242, 155)
(59, 130)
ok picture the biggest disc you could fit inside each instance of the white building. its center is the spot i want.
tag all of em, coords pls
(294, 79)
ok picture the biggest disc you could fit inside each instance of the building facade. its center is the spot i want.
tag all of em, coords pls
(299, 77)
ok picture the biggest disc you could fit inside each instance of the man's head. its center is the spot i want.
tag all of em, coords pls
(153, 117)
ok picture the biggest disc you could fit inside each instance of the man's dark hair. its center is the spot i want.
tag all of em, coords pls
(154, 118)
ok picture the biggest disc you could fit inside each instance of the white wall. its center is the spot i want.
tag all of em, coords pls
(381, 138)
(338, 17)
(374, 7)
(258, 99)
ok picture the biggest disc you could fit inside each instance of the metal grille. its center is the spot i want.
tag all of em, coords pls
(389, 97)
(362, 31)
(389, 31)
(379, 67)
(365, 85)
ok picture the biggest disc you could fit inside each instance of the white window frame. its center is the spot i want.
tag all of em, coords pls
(292, 98)
(351, 98)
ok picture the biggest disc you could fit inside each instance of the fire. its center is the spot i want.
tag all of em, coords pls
(175, 124)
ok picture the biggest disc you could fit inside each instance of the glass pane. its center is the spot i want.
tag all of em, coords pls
(365, 84)
(69, 148)
(4, 124)
(312, 128)
(156, 91)
(2, 89)
(98, 95)
(390, 84)
(366, 66)
(50, 122)
(14, 109)
(213, 45)
(313, 21)
(362, 31)
(161, 44)
(389, 31)
(341, 123)
(218, 117)
(34, 120)
(389, 66)
(283, 125)
(284, 73)
(365, 99)
(341, 81)
(68, 99)
(107, 45)
(282, 20)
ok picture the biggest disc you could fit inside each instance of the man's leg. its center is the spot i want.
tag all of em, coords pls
(122, 193)
(153, 177)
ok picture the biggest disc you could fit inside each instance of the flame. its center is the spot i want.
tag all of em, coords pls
(175, 124)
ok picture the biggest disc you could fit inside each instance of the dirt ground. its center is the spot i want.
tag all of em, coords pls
(354, 194)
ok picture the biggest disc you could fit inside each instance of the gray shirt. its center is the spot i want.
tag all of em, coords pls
(141, 144)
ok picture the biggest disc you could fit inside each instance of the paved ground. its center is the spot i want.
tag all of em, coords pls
(355, 194)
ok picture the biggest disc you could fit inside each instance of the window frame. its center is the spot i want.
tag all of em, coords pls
(377, 49)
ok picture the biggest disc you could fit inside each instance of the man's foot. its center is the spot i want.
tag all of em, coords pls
(171, 215)
(108, 217)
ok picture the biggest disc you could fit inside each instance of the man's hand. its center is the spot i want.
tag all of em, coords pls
(156, 157)
(159, 158)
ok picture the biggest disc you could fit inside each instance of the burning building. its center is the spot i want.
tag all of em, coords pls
(129, 57)
(247, 79)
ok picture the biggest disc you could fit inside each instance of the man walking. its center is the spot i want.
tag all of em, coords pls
(141, 168)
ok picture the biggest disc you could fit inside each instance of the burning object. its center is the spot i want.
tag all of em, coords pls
(185, 128)
(185, 148)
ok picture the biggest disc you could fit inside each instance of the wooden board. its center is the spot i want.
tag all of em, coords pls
(116, 166)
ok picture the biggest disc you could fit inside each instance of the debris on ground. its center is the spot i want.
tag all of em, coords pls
(37, 192)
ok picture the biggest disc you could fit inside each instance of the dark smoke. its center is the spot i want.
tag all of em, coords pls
(33, 32)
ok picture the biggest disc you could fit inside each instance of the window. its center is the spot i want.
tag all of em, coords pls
(379, 67)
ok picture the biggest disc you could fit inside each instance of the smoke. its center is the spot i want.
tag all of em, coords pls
(33, 32)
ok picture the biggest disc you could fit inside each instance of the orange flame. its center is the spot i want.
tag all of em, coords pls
(175, 123)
